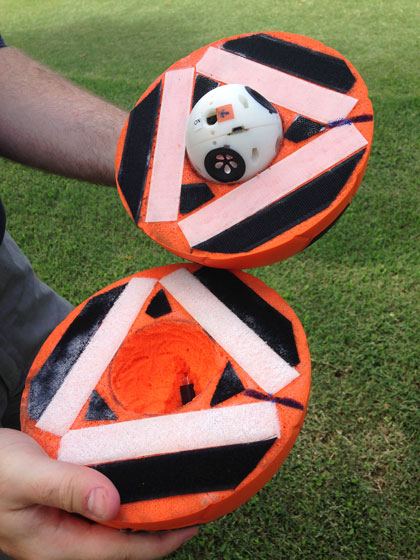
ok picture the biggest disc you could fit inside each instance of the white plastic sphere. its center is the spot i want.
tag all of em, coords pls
(233, 133)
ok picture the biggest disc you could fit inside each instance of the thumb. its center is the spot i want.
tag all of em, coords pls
(74, 488)
(38, 479)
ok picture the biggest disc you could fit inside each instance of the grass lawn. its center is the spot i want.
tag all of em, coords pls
(350, 487)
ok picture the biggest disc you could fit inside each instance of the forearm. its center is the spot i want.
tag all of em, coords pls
(50, 123)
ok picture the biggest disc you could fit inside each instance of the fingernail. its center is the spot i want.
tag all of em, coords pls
(97, 503)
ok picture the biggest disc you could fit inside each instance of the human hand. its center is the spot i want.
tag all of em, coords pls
(38, 496)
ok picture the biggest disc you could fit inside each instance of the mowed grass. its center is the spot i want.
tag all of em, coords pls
(350, 487)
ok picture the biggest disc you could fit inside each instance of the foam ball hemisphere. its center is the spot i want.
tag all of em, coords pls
(233, 133)
(193, 177)
(186, 386)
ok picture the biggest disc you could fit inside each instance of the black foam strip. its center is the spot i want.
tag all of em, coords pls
(285, 401)
(229, 385)
(77, 336)
(98, 409)
(188, 472)
(302, 129)
(159, 305)
(202, 86)
(327, 229)
(137, 148)
(268, 323)
(314, 66)
(193, 196)
(289, 211)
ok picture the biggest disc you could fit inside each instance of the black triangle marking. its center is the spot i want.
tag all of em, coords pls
(193, 196)
(229, 385)
(98, 409)
(203, 85)
(159, 305)
(302, 129)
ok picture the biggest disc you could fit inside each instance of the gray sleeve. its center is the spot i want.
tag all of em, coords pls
(29, 311)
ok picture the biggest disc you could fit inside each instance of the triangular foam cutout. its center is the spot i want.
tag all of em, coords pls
(98, 409)
(159, 305)
(229, 385)
(193, 196)
(302, 129)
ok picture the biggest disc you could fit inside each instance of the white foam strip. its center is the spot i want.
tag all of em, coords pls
(272, 184)
(88, 369)
(267, 368)
(298, 95)
(168, 158)
(171, 433)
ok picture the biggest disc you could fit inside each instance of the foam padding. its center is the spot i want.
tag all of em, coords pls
(325, 110)
(175, 464)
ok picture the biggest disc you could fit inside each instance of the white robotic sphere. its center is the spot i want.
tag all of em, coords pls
(233, 133)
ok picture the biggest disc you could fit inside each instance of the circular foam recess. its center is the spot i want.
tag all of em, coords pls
(327, 122)
(185, 385)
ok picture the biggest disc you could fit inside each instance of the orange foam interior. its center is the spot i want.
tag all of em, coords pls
(156, 361)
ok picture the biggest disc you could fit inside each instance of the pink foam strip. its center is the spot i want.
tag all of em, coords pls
(171, 433)
(272, 184)
(88, 369)
(168, 158)
(312, 101)
(267, 368)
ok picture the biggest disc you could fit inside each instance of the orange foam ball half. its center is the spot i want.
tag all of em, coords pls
(106, 391)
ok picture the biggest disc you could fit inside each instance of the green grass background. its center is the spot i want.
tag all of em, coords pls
(350, 487)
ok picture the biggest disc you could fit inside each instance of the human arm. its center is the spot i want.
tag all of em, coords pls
(50, 123)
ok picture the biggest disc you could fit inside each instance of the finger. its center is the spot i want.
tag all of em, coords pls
(104, 543)
(77, 539)
(69, 487)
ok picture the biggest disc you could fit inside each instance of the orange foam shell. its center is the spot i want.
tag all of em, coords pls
(160, 352)
(347, 118)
